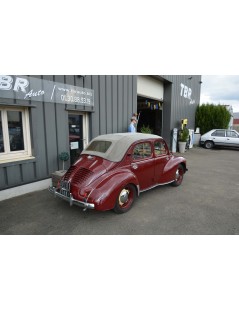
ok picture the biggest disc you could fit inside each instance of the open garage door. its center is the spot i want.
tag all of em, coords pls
(150, 104)
(149, 87)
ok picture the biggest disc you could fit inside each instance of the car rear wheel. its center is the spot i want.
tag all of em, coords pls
(178, 175)
(208, 144)
(125, 199)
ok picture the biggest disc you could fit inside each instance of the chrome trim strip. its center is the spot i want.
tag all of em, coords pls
(70, 199)
(156, 186)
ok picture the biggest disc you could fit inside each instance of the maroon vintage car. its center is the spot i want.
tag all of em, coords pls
(115, 168)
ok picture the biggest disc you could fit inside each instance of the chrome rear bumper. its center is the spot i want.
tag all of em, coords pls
(70, 199)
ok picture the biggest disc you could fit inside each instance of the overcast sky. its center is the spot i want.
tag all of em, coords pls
(221, 89)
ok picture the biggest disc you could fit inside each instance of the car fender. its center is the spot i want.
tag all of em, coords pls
(172, 165)
(106, 188)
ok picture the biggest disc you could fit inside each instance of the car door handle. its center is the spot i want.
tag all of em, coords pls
(134, 166)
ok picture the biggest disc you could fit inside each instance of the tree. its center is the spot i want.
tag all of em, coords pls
(210, 116)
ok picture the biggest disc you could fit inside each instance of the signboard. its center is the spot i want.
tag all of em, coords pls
(74, 145)
(29, 88)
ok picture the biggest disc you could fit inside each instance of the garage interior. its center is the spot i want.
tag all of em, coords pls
(149, 114)
(150, 93)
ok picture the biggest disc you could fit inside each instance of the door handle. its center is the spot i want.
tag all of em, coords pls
(134, 166)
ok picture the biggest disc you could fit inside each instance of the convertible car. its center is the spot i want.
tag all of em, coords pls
(115, 168)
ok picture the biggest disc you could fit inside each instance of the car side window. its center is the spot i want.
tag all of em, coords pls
(231, 134)
(159, 148)
(141, 151)
(218, 133)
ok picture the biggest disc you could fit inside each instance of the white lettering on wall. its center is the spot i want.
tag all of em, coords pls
(13, 87)
(34, 94)
(182, 87)
(189, 93)
(186, 92)
(21, 84)
(6, 82)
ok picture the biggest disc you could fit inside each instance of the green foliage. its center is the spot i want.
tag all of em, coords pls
(183, 135)
(210, 116)
(64, 156)
(146, 129)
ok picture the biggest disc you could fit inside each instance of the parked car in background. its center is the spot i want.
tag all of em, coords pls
(220, 137)
(115, 168)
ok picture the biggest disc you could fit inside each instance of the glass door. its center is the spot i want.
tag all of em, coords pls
(77, 124)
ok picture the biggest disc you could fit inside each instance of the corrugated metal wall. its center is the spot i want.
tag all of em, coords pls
(176, 106)
(115, 101)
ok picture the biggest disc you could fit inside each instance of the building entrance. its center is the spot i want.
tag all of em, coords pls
(150, 115)
(78, 134)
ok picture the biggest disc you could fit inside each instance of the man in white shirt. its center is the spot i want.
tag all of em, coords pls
(132, 126)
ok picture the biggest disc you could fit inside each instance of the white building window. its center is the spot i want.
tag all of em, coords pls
(15, 142)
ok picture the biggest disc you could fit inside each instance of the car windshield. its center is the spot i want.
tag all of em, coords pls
(99, 146)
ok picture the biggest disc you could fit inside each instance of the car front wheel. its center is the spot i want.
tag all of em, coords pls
(178, 175)
(208, 144)
(125, 199)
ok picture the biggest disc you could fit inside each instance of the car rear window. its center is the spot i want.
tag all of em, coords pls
(159, 148)
(219, 133)
(99, 146)
(231, 134)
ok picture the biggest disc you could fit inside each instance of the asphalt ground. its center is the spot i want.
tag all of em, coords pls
(207, 203)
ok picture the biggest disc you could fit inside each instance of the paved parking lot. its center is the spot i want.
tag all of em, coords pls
(206, 203)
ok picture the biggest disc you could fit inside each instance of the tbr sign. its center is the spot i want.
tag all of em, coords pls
(186, 92)
(29, 88)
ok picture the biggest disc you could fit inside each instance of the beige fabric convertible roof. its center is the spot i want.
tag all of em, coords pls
(120, 144)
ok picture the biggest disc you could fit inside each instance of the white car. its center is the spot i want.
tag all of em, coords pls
(220, 137)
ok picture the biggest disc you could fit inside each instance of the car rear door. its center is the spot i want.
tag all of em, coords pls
(218, 137)
(161, 159)
(232, 138)
(142, 164)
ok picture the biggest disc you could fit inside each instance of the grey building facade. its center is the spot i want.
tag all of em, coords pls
(43, 116)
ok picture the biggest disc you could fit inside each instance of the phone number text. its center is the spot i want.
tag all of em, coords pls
(74, 99)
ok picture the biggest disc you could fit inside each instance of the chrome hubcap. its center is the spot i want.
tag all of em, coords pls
(124, 196)
(177, 174)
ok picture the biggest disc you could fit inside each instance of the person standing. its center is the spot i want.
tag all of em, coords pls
(137, 119)
(132, 125)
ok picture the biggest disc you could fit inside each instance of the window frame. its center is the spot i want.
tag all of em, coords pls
(137, 156)
(215, 133)
(232, 134)
(8, 155)
(159, 152)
